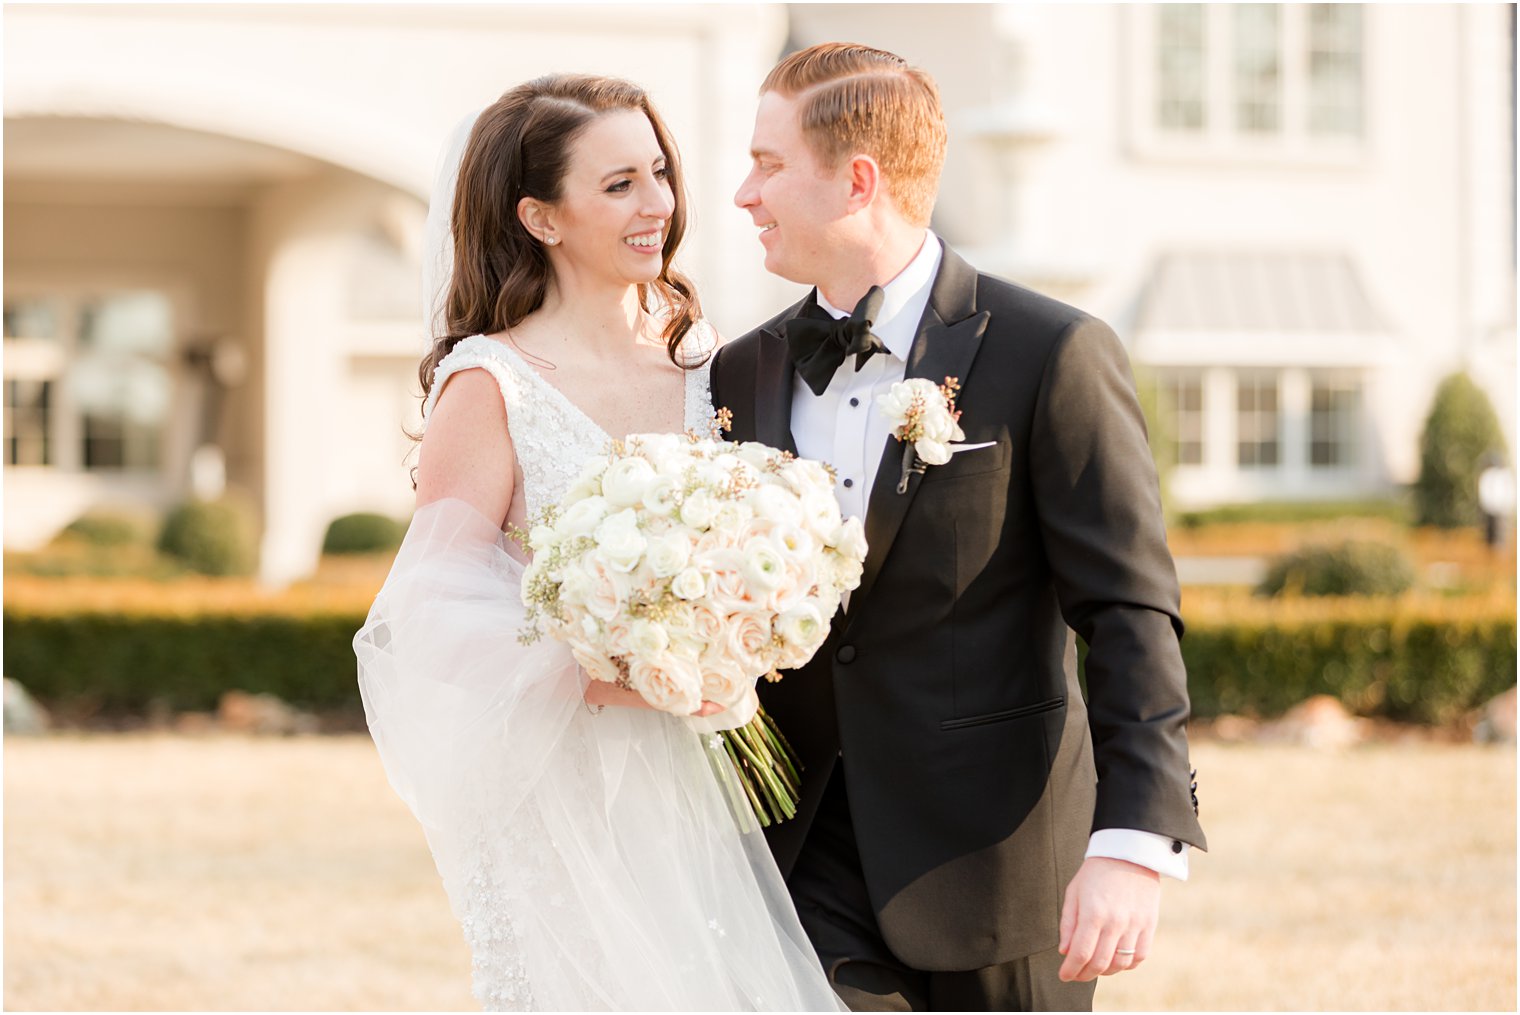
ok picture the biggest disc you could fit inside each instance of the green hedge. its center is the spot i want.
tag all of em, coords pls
(1426, 669)
(1295, 512)
(1415, 669)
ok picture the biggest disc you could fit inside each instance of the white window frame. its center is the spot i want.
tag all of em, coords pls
(1220, 140)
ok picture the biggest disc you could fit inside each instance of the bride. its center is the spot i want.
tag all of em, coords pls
(582, 839)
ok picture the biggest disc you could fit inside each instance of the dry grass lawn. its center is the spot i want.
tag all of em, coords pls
(154, 872)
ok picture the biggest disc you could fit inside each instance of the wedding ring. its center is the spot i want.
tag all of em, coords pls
(1124, 951)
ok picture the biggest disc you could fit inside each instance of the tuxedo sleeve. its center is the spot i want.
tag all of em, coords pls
(1099, 508)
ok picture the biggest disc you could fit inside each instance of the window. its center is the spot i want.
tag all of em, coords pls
(1248, 80)
(1183, 397)
(1256, 421)
(1335, 69)
(87, 379)
(1258, 68)
(1180, 67)
(26, 422)
(1334, 415)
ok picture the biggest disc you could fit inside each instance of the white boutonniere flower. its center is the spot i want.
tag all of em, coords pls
(925, 419)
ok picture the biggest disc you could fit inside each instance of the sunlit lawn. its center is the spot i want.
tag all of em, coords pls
(154, 872)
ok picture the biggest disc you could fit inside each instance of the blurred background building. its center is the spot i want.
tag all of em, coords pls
(1299, 217)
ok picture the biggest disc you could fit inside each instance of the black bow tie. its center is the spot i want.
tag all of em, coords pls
(817, 343)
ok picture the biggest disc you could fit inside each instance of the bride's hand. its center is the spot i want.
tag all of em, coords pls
(599, 692)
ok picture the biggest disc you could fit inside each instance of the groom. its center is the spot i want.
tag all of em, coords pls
(971, 835)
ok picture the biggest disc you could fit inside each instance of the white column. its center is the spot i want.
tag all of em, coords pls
(1219, 433)
(1293, 404)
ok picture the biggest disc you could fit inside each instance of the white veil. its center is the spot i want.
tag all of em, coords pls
(437, 232)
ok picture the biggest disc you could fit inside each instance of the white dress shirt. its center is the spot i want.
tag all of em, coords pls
(844, 427)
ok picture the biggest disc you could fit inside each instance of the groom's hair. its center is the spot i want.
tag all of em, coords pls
(855, 99)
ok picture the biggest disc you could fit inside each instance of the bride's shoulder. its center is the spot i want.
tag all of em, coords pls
(475, 351)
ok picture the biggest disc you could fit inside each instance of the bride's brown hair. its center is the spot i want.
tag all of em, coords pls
(520, 147)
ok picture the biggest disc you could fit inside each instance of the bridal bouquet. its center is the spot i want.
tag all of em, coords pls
(685, 568)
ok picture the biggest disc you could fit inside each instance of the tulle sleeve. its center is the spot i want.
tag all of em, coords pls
(451, 695)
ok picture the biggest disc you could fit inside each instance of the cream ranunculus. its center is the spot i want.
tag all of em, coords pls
(620, 541)
(689, 584)
(795, 543)
(763, 567)
(820, 513)
(624, 482)
(589, 481)
(660, 496)
(802, 475)
(802, 627)
(668, 682)
(756, 456)
(731, 516)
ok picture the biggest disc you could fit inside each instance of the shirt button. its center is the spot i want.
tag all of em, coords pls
(854, 402)
(846, 654)
(1176, 846)
(849, 483)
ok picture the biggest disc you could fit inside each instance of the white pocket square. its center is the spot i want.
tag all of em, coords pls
(956, 449)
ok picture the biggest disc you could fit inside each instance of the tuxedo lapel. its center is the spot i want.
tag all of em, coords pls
(775, 380)
(948, 338)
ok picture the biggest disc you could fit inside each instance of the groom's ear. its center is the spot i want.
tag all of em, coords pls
(536, 216)
(864, 175)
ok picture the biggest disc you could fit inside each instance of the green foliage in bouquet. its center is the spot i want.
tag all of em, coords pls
(1460, 432)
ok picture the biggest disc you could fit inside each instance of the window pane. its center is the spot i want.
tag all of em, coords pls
(26, 422)
(1183, 401)
(1258, 68)
(1335, 69)
(1180, 67)
(120, 380)
(1256, 421)
(34, 318)
(1334, 416)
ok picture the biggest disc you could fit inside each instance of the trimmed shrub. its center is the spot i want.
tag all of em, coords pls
(210, 537)
(1352, 567)
(107, 530)
(1460, 432)
(364, 532)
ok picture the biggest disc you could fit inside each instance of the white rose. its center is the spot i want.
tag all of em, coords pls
(775, 505)
(605, 590)
(699, 509)
(624, 482)
(847, 572)
(804, 474)
(588, 483)
(722, 680)
(931, 451)
(658, 447)
(942, 427)
(896, 402)
(668, 682)
(763, 567)
(820, 513)
(540, 538)
(799, 579)
(594, 662)
(646, 638)
(747, 639)
(620, 541)
(689, 584)
(731, 516)
(582, 517)
(850, 538)
(668, 554)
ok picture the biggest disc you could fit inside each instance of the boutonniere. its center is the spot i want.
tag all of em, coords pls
(925, 419)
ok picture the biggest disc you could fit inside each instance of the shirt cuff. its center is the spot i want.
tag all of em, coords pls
(1166, 856)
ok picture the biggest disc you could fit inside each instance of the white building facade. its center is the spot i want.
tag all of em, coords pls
(212, 222)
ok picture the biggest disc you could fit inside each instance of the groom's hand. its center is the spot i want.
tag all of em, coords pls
(1110, 910)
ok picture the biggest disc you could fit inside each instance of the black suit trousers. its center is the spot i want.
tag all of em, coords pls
(830, 893)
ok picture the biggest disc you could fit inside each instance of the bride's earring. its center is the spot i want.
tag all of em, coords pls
(551, 240)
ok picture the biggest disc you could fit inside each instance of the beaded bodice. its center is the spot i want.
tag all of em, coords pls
(550, 434)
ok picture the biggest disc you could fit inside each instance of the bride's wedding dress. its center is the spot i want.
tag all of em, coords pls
(591, 859)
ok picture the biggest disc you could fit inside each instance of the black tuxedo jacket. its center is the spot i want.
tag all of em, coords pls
(948, 690)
